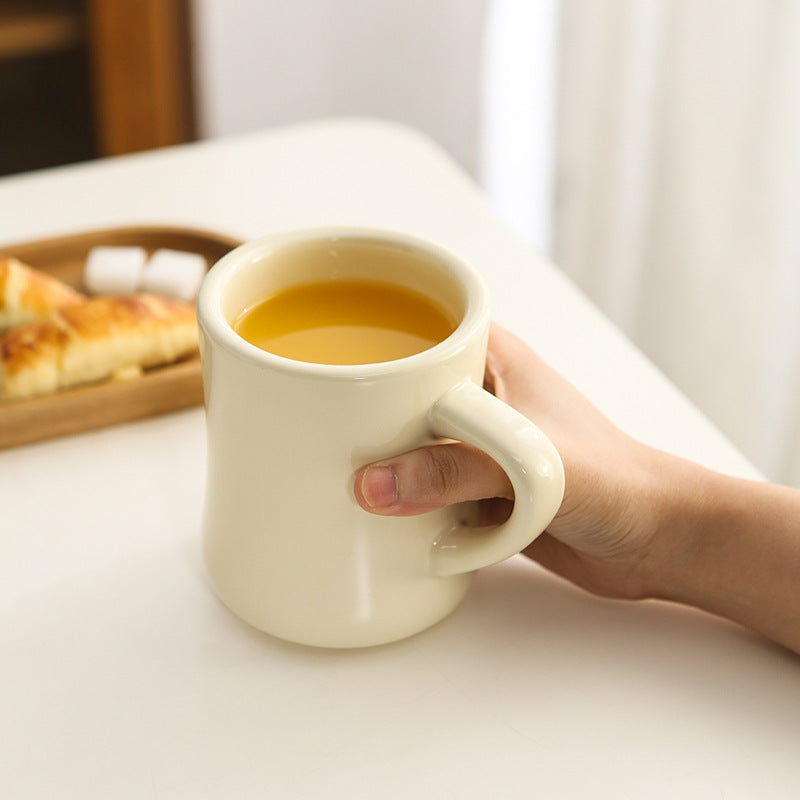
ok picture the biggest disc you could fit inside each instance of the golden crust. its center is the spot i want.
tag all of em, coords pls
(30, 357)
(20, 347)
(105, 316)
(94, 340)
(27, 294)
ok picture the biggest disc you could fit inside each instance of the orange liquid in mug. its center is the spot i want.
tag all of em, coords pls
(344, 322)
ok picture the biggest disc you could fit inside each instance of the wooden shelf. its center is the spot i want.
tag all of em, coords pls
(87, 78)
(140, 53)
(32, 28)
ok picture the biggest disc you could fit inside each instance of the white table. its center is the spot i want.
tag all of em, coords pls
(121, 676)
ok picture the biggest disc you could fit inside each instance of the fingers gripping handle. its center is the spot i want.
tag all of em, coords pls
(471, 414)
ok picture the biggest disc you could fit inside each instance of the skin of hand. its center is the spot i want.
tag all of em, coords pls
(600, 537)
(634, 523)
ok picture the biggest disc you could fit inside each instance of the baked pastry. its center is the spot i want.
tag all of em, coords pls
(94, 340)
(27, 294)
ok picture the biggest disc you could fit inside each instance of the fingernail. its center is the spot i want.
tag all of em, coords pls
(379, 487)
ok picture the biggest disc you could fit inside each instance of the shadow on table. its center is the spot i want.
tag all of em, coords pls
(521, 625)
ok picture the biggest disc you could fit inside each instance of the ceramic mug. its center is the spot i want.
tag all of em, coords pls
(286, 545)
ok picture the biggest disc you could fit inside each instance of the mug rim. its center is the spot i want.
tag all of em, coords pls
(215, 325)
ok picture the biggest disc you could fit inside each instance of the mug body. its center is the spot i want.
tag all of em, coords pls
(286, 545)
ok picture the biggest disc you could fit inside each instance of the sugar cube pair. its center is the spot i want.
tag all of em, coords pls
(123, 270)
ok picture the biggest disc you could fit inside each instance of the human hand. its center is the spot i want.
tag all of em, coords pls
(635, 522)
(602, 535)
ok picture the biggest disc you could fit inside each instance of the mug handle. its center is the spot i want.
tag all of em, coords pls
(470, 414)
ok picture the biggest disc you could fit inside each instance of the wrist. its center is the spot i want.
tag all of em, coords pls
(730, 547)
(682, 509)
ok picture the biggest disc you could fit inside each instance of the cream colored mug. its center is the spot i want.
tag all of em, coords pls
(286, 546)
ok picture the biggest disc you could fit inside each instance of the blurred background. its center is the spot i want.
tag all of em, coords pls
(650, 147)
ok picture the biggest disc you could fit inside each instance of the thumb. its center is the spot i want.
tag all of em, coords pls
(430, 478)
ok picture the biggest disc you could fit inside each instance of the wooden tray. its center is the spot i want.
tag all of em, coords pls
(98, 405)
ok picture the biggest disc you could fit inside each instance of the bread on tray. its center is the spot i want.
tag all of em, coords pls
(27, 294)
(93, 340)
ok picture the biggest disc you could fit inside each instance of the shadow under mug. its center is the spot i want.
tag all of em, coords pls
(286, 545)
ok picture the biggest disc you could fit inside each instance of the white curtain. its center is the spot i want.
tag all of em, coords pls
(518, 115)
(678, 198)
(670, 138)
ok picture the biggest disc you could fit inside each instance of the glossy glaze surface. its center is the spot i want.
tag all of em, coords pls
(286, 546)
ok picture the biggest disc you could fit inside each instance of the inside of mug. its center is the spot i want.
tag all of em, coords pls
(344, 258)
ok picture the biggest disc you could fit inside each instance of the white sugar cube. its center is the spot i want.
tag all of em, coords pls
(114, 270)
(174, 273)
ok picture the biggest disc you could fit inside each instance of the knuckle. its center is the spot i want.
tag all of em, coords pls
(443, 473)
